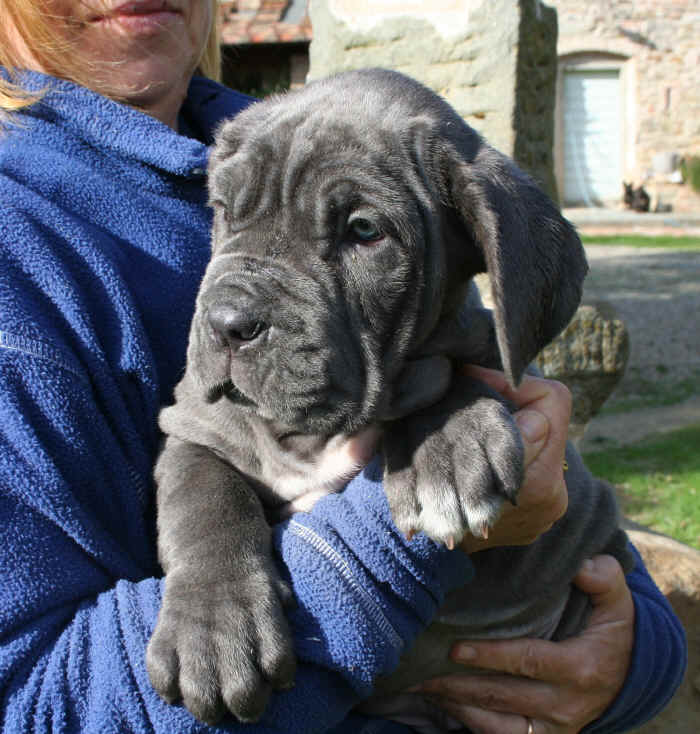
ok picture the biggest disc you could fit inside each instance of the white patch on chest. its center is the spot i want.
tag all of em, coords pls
(304, 480)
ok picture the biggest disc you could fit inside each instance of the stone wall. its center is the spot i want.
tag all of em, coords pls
(493, 60)
(658, 44)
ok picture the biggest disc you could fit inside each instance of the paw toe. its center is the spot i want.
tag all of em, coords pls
(441, 518)
(163, 668)
(277, 662)
(200, 691)
(482, 516)
(246, 697)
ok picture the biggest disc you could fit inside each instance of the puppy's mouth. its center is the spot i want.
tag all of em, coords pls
(231, 393)
(282, 373)
(311, 418)
(329, 415)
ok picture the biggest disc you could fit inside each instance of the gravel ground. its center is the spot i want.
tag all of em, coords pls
(656, 292)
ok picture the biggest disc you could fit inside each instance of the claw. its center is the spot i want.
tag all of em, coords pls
(410, 534)
(450, 542)
(485, 532)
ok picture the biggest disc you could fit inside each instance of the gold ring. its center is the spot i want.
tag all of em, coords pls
(530, 727)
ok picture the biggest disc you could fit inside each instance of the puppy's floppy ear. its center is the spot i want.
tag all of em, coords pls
(534, 258)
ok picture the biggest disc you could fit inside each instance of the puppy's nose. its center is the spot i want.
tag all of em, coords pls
(234, 326)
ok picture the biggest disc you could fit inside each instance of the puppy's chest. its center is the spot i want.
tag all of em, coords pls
(296, 472)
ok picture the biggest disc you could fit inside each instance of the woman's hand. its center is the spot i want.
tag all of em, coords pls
(542, 687)
(544, 408)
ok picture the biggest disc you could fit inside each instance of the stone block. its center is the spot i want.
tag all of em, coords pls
(494, 61)
(590, 357)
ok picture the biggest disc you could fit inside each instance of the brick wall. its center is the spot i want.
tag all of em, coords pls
(659, 41)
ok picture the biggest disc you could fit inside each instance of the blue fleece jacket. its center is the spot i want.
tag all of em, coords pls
(103, 241)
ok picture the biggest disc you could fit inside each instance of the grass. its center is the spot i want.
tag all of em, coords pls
(658, 481)
(641, 240)
(639, 390)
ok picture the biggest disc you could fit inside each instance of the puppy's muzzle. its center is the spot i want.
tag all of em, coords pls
(234, 326)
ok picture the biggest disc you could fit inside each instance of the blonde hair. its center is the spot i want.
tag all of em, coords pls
(210, 61)
(24, 24)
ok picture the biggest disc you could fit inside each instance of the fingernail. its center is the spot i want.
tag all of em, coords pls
(532, 424)
(588, 565)
(464, 653)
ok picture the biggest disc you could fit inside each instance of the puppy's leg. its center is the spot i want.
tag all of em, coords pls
(449, 468)
(221, 641)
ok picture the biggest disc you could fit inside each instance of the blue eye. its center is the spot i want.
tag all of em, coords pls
(364, 230)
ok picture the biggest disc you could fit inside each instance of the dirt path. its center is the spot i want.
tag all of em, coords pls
(657, 294)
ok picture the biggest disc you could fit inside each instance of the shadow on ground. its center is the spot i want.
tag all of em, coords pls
(656, 292)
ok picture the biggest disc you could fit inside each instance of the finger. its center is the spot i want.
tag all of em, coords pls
(502, 694)
(603, 579)
(553, 400)
(544, 484)
(482, 721)
(494, 378)
(531, 390)
(600, 577)
(531, 658)
(534, 429)
(544, 492)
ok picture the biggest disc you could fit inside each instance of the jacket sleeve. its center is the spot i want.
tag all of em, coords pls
(659, 658)
(80, 594)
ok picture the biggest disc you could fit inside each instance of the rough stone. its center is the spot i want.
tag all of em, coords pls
(675, 568)
(590, 357)
(494, 61)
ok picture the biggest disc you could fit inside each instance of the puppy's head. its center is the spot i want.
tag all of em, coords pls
(347, 218)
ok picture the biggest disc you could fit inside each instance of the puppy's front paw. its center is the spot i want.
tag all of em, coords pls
(224, 646)
(449, 469)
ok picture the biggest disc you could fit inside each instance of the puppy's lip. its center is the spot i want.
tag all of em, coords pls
(229, 391)
(298, 420)
(239, 398)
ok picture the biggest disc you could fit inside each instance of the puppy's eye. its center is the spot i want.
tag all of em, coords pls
(364, 231)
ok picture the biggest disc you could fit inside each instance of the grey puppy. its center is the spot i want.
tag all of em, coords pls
(349, 219)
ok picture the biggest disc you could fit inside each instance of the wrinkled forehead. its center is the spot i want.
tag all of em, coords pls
(302, 160)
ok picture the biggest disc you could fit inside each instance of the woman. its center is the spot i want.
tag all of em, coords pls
(104, 239)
